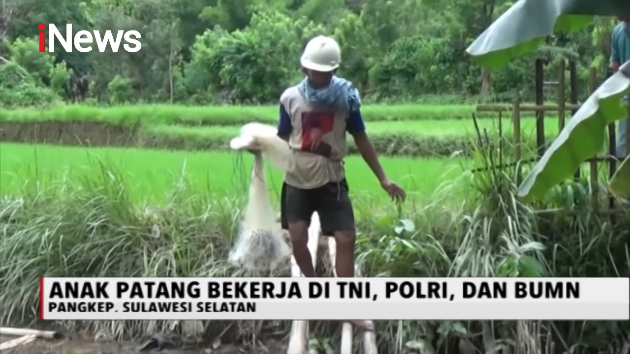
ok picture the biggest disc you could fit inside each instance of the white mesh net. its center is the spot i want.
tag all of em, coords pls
(260, 244)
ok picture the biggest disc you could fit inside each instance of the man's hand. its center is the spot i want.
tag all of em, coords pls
(395, 192)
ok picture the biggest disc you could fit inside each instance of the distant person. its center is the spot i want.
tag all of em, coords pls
(620, 54)
(314, 118)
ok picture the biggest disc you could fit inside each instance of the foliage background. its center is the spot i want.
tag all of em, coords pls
(246, 51)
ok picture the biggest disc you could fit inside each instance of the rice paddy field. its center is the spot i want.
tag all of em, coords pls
(203, 134)
(151, 173)
(154, 191)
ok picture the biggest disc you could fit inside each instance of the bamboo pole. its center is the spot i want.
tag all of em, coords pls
(573, 82)
(16, 332)
(346, 329)
(516, 121)
(298, 339)
(612, 150)
(540, 101)
(525, 108)
(535, 159)
(17, 342)
(369, 338)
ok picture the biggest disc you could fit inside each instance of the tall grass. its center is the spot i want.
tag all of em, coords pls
(91, 227)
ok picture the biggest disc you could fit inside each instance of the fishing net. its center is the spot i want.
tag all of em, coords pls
(260, 244)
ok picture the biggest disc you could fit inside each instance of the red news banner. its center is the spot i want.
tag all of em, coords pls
(334, 299)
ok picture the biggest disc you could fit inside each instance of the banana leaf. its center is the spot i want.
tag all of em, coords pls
(582, 137)
(619, 184)
(526, 24)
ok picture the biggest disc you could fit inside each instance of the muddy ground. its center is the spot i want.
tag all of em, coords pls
(98, 134)
(68, 133)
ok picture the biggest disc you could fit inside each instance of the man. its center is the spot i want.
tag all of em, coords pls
(620, 54)
(314, 118)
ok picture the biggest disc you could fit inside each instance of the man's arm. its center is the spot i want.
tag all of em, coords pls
(615, 59)
(356, 127)
(284, 124)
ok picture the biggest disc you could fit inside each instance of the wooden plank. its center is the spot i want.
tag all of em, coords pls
(346, 329)
(17, 342)
(298, 340)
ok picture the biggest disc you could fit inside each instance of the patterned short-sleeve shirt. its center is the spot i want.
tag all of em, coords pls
(317, 136)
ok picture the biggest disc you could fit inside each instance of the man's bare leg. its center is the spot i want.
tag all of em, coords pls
(298, 231)
(345, 241)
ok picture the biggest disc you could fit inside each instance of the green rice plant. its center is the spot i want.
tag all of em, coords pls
(152, 173)
(222, 115)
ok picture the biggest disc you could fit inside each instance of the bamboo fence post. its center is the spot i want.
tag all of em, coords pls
(298, 339)
(594, 177)
(574, 99)
(612, 151)
(540, 115)
(561, 94)
(516, 122)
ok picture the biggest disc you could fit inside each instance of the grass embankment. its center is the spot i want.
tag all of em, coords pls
(81, 216)
(396, 130)
(227, 115)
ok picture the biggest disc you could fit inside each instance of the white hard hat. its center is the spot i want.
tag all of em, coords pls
(321, 54)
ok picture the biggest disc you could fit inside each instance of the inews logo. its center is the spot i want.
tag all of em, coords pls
(82, 41)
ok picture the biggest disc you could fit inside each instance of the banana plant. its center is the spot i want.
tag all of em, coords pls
(526, 24)
(581, 138)
(521, 29)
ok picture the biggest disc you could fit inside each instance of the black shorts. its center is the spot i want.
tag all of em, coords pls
(331, 202)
